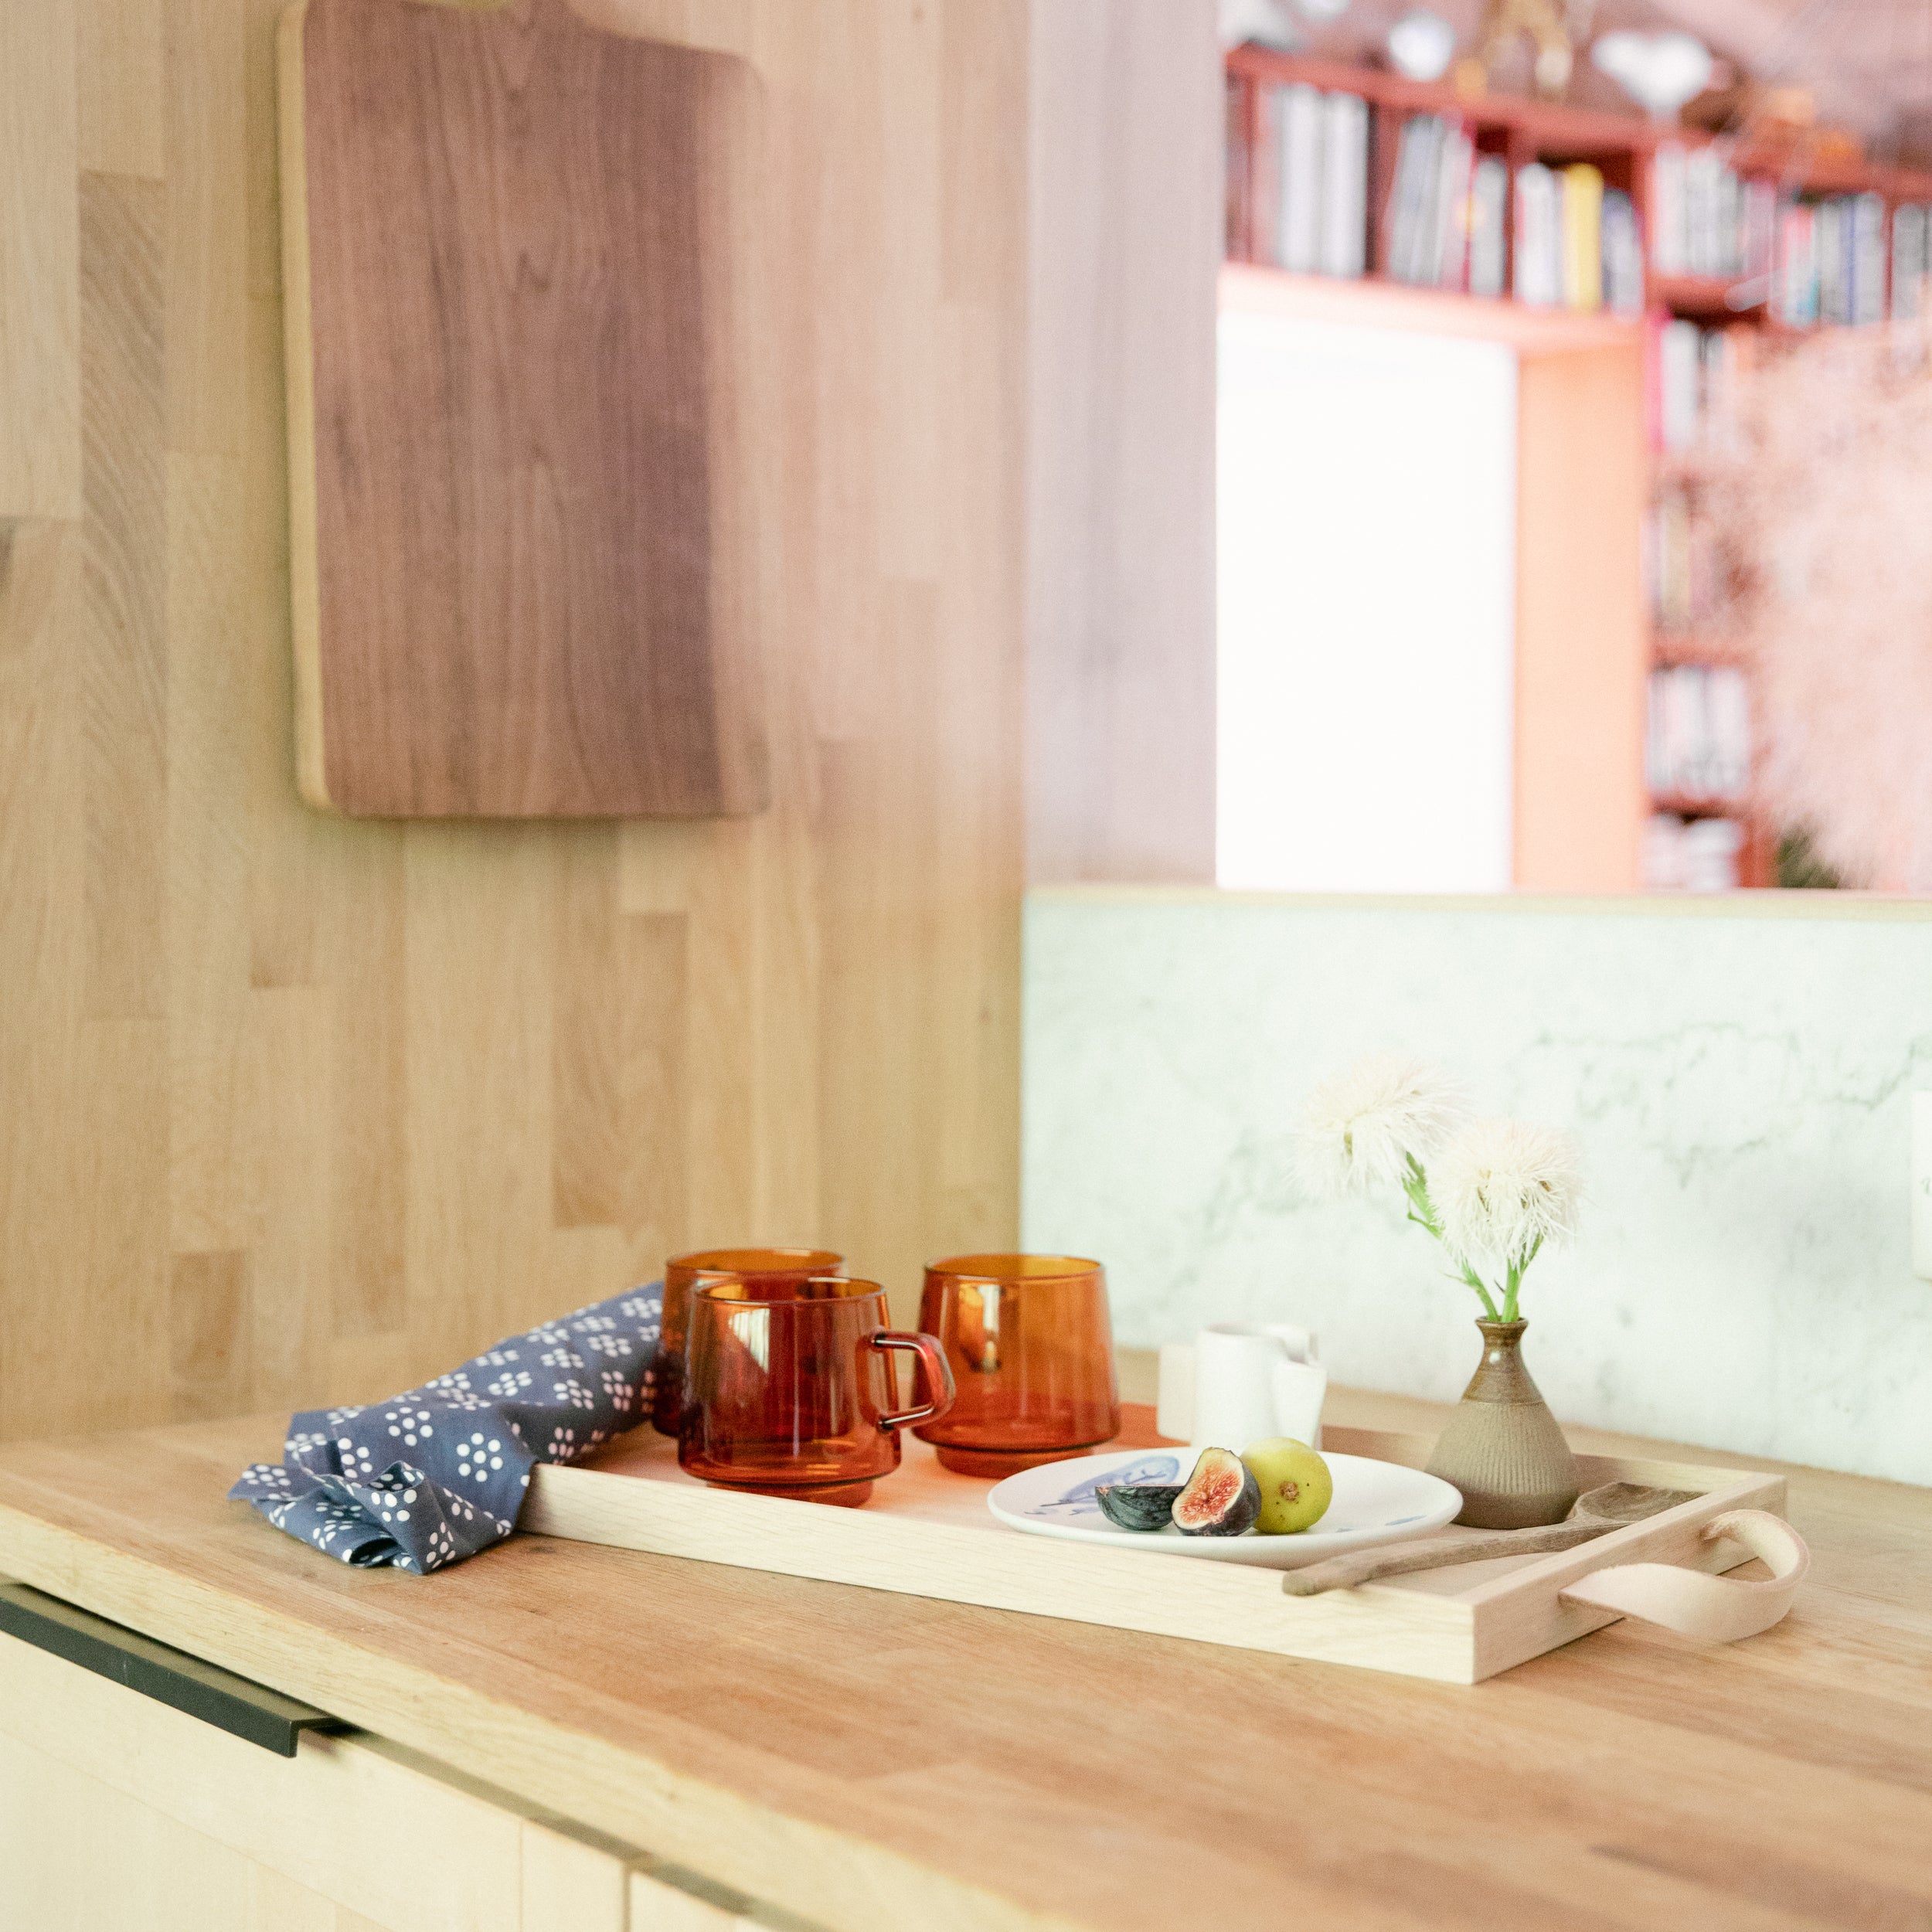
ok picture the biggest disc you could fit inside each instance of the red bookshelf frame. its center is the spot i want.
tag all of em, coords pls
(1622, 147)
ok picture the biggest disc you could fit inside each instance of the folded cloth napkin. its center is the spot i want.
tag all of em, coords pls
(430, 1477)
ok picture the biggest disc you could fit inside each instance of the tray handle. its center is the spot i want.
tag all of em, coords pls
(1720, 1610)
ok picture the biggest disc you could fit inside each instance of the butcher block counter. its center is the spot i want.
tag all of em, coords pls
(558, 1735)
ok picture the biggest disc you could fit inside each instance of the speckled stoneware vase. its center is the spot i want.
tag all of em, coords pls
(1502, 1448)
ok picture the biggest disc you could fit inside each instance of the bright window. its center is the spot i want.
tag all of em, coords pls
(1366, 493)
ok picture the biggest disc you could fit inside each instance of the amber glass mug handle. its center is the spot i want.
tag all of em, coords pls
(939, 1375)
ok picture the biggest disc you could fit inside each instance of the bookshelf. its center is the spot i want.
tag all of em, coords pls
(1749, 243)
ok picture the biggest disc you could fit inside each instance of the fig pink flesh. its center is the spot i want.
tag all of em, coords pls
(1212, 1494)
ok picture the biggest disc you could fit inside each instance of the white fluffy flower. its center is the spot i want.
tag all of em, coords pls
(1502, 1189)
(1362, 1128)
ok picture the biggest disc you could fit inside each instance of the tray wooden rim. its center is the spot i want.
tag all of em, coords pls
(1500, 1617)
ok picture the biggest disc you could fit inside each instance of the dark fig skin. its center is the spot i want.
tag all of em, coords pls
(1221, 1498)
(1137, 1505)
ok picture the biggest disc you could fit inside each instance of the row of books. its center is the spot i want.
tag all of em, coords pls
(1698, 742)
(1836, 265)
(1688, 582)
(1446, 210)
(1695, 375)
(1829, 260)
(1841, 259)
(1693, 856)
(1321, 201)
(1705, 219)
(1577, 246)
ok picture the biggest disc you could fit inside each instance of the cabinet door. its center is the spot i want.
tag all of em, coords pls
(77, 1856)
(116, 1812)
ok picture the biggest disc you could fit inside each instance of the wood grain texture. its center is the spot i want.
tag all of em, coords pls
(1125, 244)
(39, 263)
(299, 1108)
(262, 1845)
(853, 1754)
(522, 242)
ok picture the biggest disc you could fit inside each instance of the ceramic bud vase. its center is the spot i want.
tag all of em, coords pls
(1502, 1448)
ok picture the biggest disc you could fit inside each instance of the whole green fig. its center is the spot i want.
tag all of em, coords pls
(1295, 1486)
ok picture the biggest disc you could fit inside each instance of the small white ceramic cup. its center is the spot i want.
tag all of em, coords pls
(1238, 1382)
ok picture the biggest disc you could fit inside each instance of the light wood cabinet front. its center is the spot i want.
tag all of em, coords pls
(119, 1815)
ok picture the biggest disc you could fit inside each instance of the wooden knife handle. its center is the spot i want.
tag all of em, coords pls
(1435, 1553)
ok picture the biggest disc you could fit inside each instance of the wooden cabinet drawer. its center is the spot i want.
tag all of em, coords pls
(117, 1810)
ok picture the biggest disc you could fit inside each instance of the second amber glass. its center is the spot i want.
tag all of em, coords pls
(684, 1274)
(1031, 1349)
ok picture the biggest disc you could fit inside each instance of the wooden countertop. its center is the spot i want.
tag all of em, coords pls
(872, 1760)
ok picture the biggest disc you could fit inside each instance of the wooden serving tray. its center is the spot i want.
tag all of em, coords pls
(926, 1533)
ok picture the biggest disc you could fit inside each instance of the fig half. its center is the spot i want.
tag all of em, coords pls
(1137, 1505)
(1221, 1498)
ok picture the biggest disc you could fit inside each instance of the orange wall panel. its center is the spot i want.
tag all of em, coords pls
(1582, 634)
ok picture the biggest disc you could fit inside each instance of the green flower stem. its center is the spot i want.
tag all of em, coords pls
(1517, 1270)
(1422, 1211)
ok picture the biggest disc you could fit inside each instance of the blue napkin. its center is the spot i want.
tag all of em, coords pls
(430, 1477)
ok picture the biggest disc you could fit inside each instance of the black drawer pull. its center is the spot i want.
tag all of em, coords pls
(171, 1677)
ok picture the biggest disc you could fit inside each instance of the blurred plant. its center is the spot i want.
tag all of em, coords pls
(1799, 867)
(1827, 513)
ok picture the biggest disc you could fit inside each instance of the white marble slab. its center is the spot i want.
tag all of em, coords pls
(1741, 1087)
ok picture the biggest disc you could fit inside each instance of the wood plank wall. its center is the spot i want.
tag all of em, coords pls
(293, 1109)
(1124, 248)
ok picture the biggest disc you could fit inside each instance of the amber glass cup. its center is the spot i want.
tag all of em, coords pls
(1031, 1350)
(789, 1389)
(775, 1267)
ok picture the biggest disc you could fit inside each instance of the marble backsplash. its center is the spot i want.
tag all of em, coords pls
(1740, 1083)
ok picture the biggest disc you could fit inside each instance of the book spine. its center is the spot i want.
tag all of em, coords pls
(1701, 170)
(1454, 172)
(1404, 193)
(1538, 272)
(1679, 362)
(1488, 240)
(1796, 280)
(1298, 187)
(1760, 231)
(1911, 260)
(1828, 233)
(1582, 212)
(1728, 712)
(1669, 246)
(1868, 259)
(1622, 253)
(1345, 185)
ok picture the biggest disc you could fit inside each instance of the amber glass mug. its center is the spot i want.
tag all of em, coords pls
(684, 1273)
(1031, 1349)
(789, 1390)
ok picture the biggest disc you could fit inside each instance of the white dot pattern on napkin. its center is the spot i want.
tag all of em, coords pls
(436, 1474)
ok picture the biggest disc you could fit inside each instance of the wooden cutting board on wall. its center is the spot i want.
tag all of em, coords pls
(515, 260)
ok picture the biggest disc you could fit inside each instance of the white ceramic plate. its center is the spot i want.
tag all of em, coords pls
(1375, 1502)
